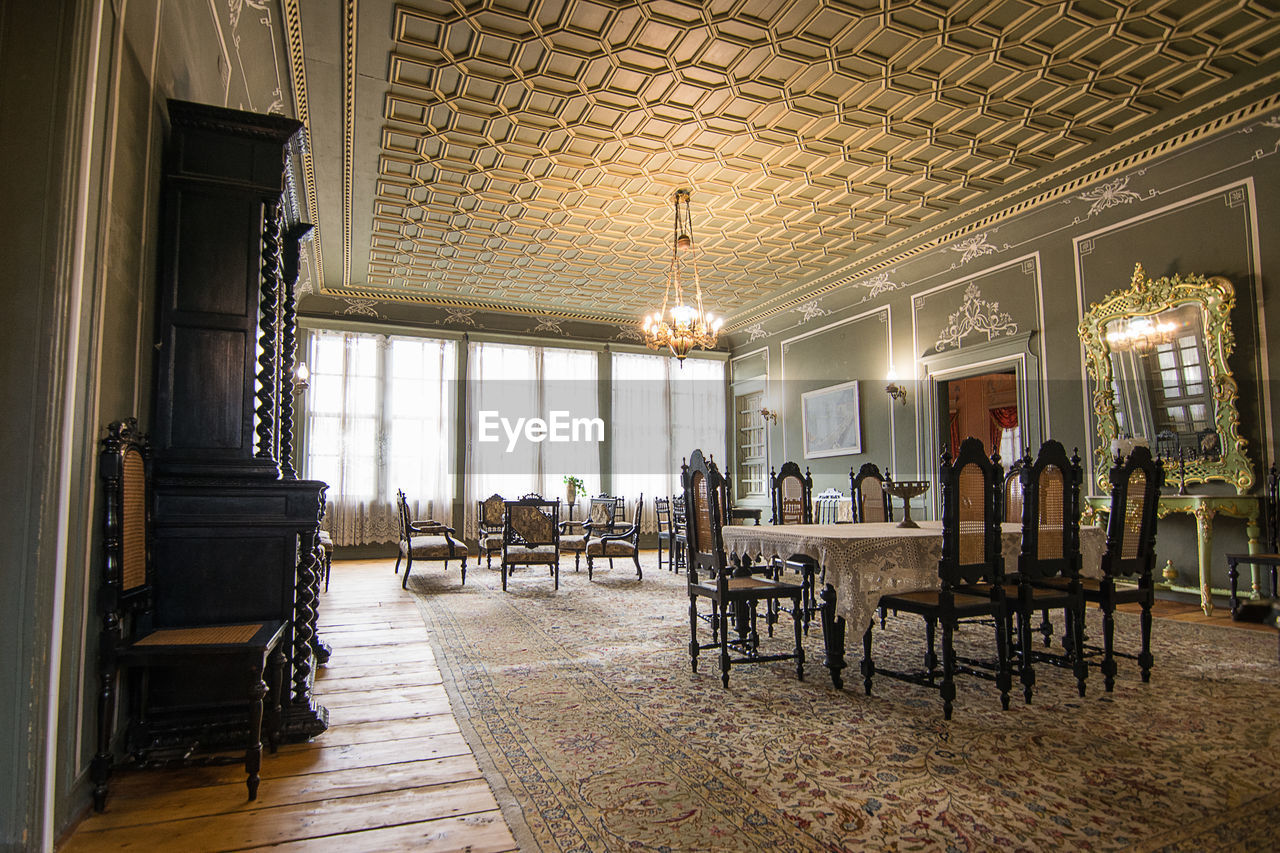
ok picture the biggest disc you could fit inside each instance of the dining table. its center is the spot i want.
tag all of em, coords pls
(861, 562)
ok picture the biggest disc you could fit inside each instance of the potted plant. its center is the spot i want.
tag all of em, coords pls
(571, 486)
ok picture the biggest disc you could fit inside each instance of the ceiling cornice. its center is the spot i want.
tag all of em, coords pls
(302, 111)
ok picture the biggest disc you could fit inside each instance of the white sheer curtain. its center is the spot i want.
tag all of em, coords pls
(379, 418)
(507, 383)
(661, 412)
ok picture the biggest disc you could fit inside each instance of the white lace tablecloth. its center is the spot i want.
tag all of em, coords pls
(865, 561)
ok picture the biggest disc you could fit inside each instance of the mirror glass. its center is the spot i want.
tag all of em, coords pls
(1160, 378)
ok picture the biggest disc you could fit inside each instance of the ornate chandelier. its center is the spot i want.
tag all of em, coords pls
(679, 325)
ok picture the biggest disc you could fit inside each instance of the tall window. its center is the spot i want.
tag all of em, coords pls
(662, 411)
(532, 420)
(380, 418)
(752, 460)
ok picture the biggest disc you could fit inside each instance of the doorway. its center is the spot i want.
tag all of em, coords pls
(985, 407)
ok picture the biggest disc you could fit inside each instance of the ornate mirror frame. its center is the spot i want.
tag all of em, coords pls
(1146, 297)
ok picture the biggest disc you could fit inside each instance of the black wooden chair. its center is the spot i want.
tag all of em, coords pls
(135, 636)
(531, 536)
(971, 555)
(1270, 557)
(489, 515)
(602, 515)
(1130, 554)
(617, 541)
(662, 512)
(791, 497)
(1049, 562)
(679, 539)
(710, 576)
(869, 501)
(426, 540)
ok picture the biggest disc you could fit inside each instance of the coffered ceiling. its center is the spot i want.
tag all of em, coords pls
(519, 155)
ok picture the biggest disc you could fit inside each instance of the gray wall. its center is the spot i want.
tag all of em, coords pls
(82, 91)
(1211, 206)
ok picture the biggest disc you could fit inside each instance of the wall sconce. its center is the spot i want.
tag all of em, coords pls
(301, 378)
(895, 390)
(769, 415)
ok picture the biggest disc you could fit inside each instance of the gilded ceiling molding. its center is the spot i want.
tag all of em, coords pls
(348, 136)
(298, 71)
(841, 277)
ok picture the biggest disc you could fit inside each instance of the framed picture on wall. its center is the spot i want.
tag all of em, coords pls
(831, 421)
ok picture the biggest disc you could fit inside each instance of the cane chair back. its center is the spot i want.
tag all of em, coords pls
(1131, 529)
(791, 495)
(1050, 514)
(971, 485)
(703, 518)
(870, 503)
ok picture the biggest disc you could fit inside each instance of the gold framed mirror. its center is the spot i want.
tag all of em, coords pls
(1157, 355)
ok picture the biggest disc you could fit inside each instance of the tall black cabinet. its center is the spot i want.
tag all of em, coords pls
(235, 529)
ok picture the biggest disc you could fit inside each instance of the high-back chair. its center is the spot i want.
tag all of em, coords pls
(791, 492)
(711, 577)
(618, 541)
(971, 558)
(1270, 557)
(679, 536)
(791, 496)
(489, 514)
(531, 536)
(1049, 560)
(134, 636)
(869, 500)
(426, 540)
(662, 513)
(602, 518)
(1130, 555)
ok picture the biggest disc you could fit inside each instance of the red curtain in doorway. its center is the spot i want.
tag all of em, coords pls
(1003, 418)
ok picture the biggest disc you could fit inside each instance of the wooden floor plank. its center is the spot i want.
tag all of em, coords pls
(258, 827)
(483, 832)
(184, 802)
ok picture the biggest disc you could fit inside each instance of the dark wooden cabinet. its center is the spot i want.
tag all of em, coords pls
(235, 529)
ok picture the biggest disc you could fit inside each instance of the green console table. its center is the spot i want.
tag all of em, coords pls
(1205, 508)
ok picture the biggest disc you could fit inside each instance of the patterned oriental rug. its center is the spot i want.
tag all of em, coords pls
(595, 735)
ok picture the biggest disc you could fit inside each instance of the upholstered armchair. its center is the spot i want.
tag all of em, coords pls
(617, 542)
(426, 540)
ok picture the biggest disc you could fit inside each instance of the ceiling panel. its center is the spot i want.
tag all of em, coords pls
(526, 151)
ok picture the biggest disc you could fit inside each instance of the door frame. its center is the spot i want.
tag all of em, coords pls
(1015, 353)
